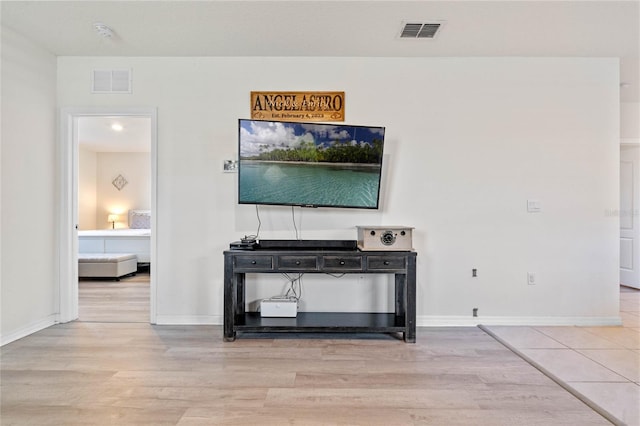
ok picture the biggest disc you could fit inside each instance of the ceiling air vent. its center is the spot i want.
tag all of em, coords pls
(111, 81)
(420, 30)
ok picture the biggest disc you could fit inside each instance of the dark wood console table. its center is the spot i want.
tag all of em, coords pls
(401, 263)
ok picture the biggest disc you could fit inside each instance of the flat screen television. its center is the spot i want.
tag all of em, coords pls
(309, 164)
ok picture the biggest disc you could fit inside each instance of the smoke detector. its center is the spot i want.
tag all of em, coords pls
(420, 30)
(103, 30)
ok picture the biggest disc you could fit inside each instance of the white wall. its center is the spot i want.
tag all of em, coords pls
(98, 197)
(135, 167)
(468, 141)
(87, 190)
(630, 122)
(29, 194)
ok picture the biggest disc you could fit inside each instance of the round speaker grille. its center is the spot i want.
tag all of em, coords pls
(388, 238)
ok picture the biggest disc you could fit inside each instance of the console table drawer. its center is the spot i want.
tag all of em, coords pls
(253, 262)
(350, 263)
(298, 262)
(386, 262)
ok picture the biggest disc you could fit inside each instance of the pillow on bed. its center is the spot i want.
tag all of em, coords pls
(139, 219)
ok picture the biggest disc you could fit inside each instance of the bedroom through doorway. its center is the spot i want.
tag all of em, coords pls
(114, 205)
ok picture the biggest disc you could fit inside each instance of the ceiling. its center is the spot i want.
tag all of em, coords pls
(552, 28)
(97, 134)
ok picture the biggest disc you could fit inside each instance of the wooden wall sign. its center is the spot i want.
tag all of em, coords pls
(297, 106)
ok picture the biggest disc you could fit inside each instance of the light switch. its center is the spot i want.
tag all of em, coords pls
(534, 206)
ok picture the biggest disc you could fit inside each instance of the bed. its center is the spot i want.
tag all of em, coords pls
(134, 240)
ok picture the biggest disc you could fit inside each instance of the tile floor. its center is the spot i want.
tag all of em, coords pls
(601, 365)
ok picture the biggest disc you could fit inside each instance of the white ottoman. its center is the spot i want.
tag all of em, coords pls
(107, 265)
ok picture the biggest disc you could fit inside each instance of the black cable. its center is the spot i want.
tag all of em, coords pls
(293, 216)
(259, 222)
(335, 275)
(297, 295)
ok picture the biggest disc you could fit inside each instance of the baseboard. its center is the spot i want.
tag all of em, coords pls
(464, 321)
(29, 329)
(189, 320)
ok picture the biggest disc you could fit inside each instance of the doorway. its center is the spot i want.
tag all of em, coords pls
(114, 178)
(74, 131)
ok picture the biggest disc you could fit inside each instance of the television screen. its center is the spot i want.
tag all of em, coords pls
(309, 164)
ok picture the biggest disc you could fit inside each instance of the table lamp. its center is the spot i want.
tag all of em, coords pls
(113, 218)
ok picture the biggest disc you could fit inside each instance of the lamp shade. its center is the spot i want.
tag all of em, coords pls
(112, 218)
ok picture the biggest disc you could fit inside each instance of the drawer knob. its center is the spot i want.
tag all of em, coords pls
(253, 262)
(342, 262)
(297, 262)
(386, 262)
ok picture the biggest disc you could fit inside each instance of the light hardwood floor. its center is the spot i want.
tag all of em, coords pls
(85, 373)
(105, 300)
(110, 373)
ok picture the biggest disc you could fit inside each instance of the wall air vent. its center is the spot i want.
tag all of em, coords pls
(420, 30)
(111, 81)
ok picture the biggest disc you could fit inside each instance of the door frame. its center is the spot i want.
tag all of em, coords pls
(68, 203)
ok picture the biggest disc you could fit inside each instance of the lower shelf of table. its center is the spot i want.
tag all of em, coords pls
(322, 322)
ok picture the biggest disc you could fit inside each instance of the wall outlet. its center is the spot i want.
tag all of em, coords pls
(531, 278)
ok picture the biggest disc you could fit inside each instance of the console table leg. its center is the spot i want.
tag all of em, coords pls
(229, 300)
(410, 297)
(401, 301)
(239, 280)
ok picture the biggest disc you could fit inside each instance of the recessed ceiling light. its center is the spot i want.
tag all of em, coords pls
(117, 127)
